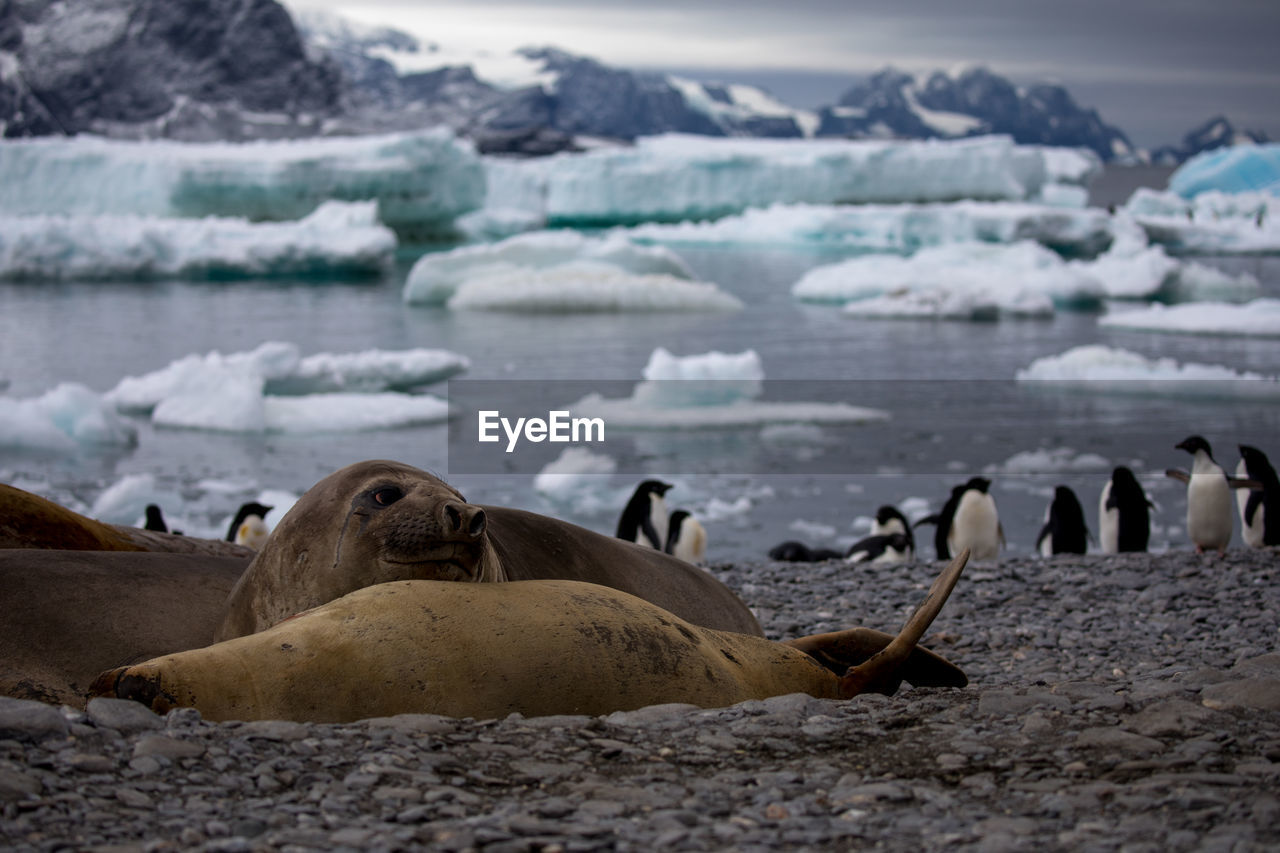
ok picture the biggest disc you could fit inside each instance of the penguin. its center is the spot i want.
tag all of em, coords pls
(155, 519)
(1209, 516)
(884, 549)
(1259, 508)
(1064, 530)
(686, 538)
(644, 519)
(1124, 522)
(890, 541)
(792, 551)
(248, 528)
(975, 524)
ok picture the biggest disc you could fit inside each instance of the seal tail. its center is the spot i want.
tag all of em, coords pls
(882, 672)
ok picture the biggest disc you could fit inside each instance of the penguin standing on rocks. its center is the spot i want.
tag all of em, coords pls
(942, 519)
(1124, 522)
(644, 519)
(1259, 508)
(1064, 530)
(1209, 516)
(249, 527)
(686, 538)
(891, 540)
(155, 519)
(968, 520)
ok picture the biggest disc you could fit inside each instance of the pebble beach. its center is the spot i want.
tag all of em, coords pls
(1115, 703)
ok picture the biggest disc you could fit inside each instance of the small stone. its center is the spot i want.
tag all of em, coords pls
(163, 746)
(649, 715)
(1106, 737)
(26, 719)
(1000, 703)
(279, 730)
(133, 798)
(1261, 694)
(123, 715)
(951, 761)
(1176, 717)
(91, 763)
(16, 785)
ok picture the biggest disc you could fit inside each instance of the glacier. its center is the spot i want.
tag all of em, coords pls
(338, 239)
(1256, 318)
(1104, 369)
(421, 181)
(68, 418)
(1230, 169)
(561, 271)
(675, 177)
(901, 228)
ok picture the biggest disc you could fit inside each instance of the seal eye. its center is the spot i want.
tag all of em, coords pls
(387, 495)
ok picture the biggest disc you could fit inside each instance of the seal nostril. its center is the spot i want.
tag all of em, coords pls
(453, 517)
(478, 522)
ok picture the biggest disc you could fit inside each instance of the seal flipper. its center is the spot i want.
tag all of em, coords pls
(883, 672)
(840, 651)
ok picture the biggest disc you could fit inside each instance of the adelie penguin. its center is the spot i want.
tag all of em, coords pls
(1259, 508)
(792, 551)
(155, 519)
(1209, 516)
(686, 538)
(1064, 530)
(249, 527)
(1124, 519)
(891, 540)
(644, 519)
(968, 520)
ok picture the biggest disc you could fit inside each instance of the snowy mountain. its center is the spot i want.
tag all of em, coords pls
(895, 104)
(187, 69)
(1214, 133)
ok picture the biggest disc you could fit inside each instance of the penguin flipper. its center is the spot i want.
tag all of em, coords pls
(1238, 483)
(1177, 474)
(929, 519)
(651, 533)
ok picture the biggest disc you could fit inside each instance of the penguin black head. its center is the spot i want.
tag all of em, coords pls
(1255, 460)
(977, 484)
(1192, 443)
(246, 511)
(675, 523)
(888, 513)
(653, 486)
(1122, 476)
(155, 519)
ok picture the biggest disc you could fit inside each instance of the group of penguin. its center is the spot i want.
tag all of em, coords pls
(968, 518)
(247, 528)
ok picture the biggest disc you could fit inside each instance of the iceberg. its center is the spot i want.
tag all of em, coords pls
(232, 403)
(1048, 461)
(421, 181)
(339, 239)
(1100, 368)
(710, 391)
(1234, 169)
(901, 228)
(960, 280)
(578, 480)
(1257, 318)
(141, 394)
(70, 417)
(677, 177)
(1211, 223)
(435, 277)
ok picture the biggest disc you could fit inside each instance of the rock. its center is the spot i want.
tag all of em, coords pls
(123, 715)
(1119, 740)
(26, 719)
(1261, 694)
(163, 746)
(1170, 717)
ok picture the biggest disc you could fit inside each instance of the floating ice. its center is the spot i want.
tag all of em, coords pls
(1258, 318)
(340, 239)
(1211, 223)
(352, 412)
(961, 280)
(421, 181)
(676, 177)
(1234, 169)
(578, 480)
(438, 276)
(67, 418)
(902, 228)
(721, 396)
(1049, 461)
(271, 360)
(125, 501)
(1111, 370)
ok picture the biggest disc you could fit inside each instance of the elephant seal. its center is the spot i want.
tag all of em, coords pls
(71, 614)
(379, 521)
(530, 647)
(30, 521)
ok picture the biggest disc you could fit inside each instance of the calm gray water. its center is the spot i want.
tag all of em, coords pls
(954, 410)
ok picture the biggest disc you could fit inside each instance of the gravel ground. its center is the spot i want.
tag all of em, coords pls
(1115, 703)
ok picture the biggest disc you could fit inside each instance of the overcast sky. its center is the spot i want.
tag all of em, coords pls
(1154, 68)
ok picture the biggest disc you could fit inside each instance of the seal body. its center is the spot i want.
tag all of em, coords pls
(1124, 520)
(380, 521)
(489, 650)
(71, 614)
(1064, 530)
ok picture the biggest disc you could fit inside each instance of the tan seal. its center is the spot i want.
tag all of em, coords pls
(379, 521)
(532, 647)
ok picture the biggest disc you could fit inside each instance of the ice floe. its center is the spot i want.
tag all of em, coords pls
(67, 418)
(1257, 318)
(1095, 367)
(710, 391)
(1212, 222)
(421, 181)
(339, 239)
(1048, 461)
(1230, 169)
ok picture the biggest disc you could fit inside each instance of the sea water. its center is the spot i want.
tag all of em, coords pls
(948, 387)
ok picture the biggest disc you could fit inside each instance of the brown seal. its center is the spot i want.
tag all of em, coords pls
(30, 521)
(380, 521)
(532, 647)
(71, 614)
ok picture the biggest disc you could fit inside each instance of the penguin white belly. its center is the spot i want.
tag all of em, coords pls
(1046, 545)
(1209, 510)
(658, 518)
(892, 556)
(692, 544)
(1251, 533)
(975, 526)
(252, 533)
(1108, 523)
